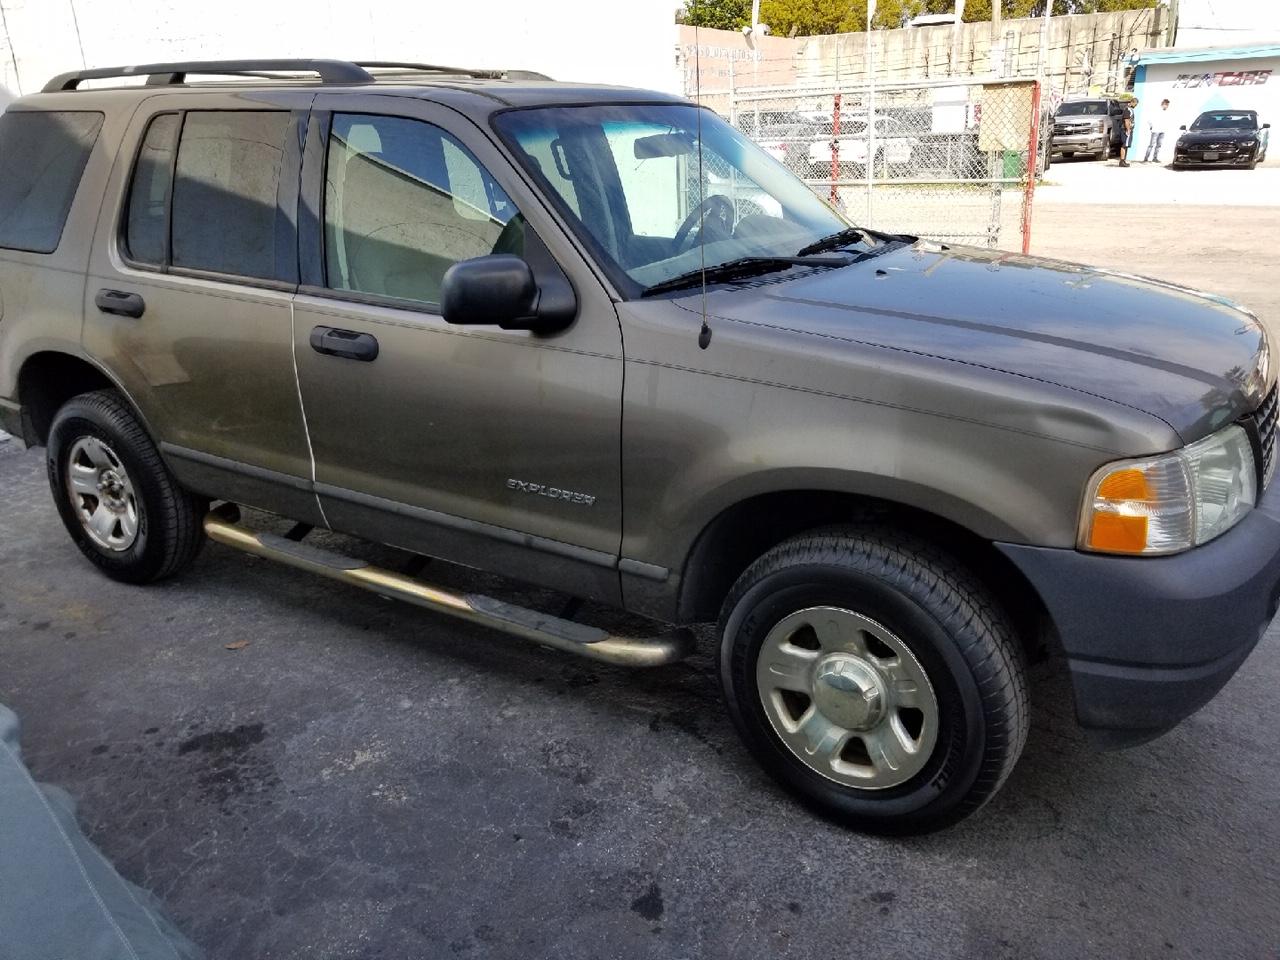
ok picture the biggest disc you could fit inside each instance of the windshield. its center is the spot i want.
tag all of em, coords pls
(629, 178)
(1091, 108)
(1236, 120)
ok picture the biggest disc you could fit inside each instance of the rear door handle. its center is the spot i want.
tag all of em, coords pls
(344, 343)
(120, 302)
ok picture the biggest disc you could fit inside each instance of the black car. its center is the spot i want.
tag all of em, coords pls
(1223, 138)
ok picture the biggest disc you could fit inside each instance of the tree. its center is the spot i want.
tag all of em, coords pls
(716, 14)
(814, 17)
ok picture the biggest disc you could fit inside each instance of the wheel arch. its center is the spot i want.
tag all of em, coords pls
(47, 379)
(740, 533)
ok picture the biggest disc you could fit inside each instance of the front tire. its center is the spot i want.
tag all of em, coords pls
(119, 502)
(874, 678)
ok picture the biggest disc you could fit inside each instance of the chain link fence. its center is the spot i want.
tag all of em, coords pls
(935, 158)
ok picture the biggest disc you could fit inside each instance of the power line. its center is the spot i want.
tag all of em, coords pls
(13, 54)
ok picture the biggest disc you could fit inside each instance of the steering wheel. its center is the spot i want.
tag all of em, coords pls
(712, 208)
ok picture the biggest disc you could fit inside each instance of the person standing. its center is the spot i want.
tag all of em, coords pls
(1158, 127)
(1128, 132)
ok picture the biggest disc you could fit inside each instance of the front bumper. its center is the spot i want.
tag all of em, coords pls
(1195, 157)
(1077, 143)
(1149, 641)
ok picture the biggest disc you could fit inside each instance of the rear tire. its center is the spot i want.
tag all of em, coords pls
(937, 661)
(119, 502)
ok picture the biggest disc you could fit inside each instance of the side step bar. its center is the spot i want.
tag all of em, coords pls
(222, 525)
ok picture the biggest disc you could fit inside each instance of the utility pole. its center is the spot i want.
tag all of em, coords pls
(955, 36)
(869, 56)
(1171, 34)
(1043, 70)
(755, 15)
(995, 48)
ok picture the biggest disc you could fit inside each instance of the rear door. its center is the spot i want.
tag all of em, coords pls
(190, 289)
(496, 448)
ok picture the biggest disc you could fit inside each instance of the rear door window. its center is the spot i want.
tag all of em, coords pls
(226, 217)
(42, 158)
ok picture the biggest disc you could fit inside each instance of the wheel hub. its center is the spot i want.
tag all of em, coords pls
(102, 494)
(848, 691)
(847, 697)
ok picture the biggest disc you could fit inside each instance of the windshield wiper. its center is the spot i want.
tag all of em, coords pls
(740, 269)
(852, 235)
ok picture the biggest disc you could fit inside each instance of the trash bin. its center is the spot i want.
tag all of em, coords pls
(1014, 165)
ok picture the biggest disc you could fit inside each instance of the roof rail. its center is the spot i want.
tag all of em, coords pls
(163, 74)
(455, 71)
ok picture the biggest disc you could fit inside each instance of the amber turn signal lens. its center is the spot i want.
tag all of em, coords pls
(1114, 533)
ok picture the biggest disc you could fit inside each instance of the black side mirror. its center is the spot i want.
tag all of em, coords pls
(500, 290)
(1183, 127)
(1266, 126)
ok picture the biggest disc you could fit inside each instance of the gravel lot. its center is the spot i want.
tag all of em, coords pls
(365, 780)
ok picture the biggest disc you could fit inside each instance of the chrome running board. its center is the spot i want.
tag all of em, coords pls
(222, 525)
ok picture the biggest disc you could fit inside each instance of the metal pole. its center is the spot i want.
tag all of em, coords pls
(733, 100)
(1029, 188)
(871, 110)
(1042, 70)
(955, 36)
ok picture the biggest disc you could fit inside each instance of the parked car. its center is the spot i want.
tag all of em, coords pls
(506, 324)
(1093, 126)
(786, 139)
(1223, 138)
(852, 143)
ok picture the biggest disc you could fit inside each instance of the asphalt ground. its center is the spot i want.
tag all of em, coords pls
(297, 769)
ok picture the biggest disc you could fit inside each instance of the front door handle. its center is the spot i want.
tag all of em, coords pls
(344, 343)
(120, 302)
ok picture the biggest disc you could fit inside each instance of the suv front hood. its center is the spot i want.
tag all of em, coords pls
(1194, 360)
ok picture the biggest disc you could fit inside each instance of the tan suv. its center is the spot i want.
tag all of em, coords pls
(597, 340)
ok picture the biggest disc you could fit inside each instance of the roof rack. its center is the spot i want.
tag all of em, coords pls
(329, 71)
(163, 74)
(453, 71)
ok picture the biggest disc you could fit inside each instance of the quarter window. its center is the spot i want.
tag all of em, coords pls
(147, 226)
(42, 158)
(404, 201)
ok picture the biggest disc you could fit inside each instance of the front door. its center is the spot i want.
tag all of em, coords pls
(490, 447)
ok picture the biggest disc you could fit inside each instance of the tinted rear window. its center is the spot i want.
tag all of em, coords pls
(42, 157)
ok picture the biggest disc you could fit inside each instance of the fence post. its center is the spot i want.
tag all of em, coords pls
(869, 59)
(1033, 147)
(835, 148)
(733, 101)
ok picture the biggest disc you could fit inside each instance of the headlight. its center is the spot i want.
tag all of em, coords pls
(1172, 502)
(1248, 143)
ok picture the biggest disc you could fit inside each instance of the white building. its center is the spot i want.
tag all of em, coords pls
(1207, 78)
